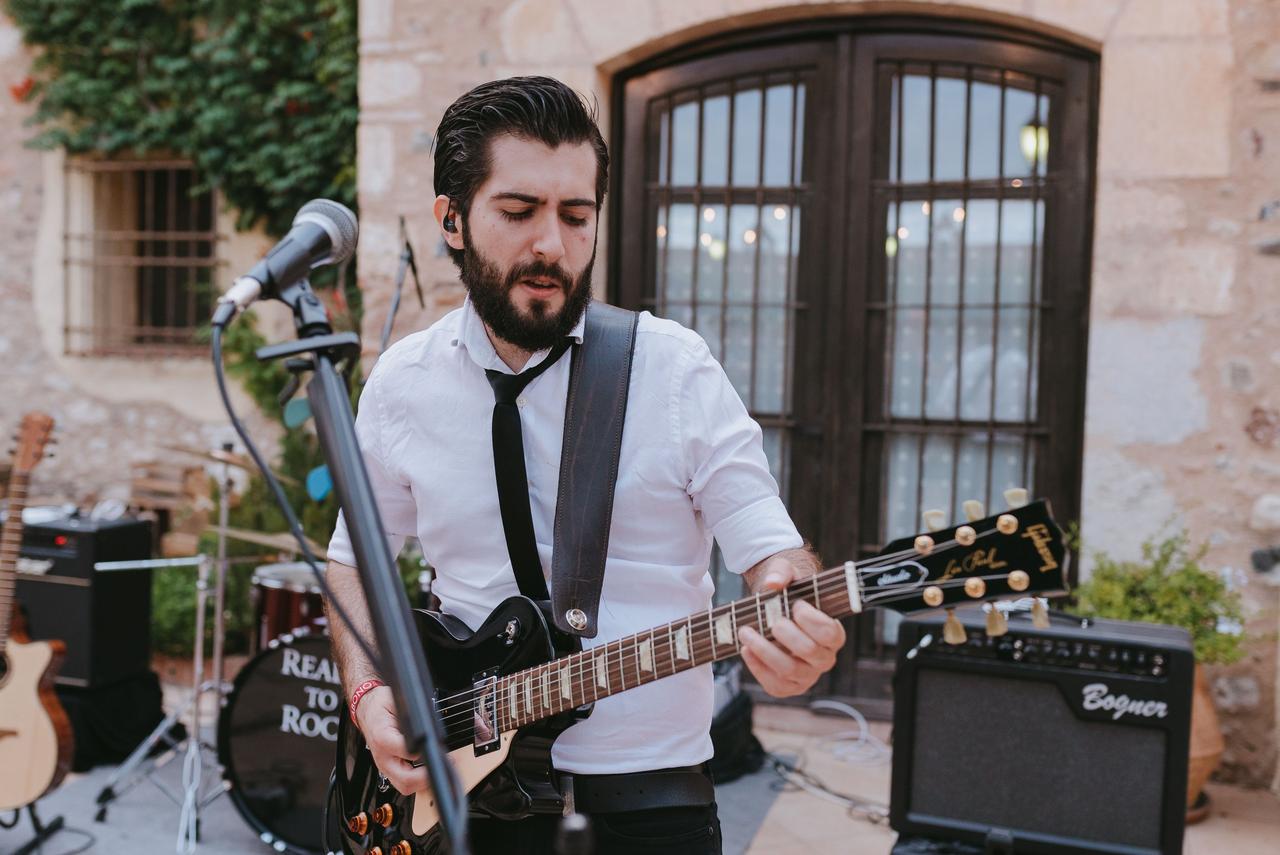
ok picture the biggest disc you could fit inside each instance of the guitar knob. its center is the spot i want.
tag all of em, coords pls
(359, 825)
(377, 850)
(384, 815)
(402, 848)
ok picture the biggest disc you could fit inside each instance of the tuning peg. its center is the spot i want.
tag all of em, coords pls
(997, 623)
(932, 596)
(1039, 613)
(1016, 497)
(966, 536)
(975, 587)
(934, 520)
(1006, 523)
(924, 544)
(973, 510)
(952, 630)
(1019, 580)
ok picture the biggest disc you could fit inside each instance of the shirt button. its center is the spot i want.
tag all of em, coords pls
(521, 401)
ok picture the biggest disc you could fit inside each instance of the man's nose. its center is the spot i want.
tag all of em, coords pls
(548, 245)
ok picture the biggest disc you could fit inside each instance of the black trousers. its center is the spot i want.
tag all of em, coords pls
(674, 831)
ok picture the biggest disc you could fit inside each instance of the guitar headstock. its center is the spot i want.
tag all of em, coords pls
(33, 437)
(1019, 552)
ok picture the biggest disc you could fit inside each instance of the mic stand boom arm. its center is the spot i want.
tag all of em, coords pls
(400, 650)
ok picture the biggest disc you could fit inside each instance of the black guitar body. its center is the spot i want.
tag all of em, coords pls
(517, 635)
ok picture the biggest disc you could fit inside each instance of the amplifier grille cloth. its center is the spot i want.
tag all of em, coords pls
(1009, 753)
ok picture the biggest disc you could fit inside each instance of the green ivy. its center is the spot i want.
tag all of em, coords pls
(1170, 586)
(260, 96)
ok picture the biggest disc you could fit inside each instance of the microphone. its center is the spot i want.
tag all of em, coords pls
(323, 232)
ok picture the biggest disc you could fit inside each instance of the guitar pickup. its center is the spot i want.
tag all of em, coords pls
(486, 733)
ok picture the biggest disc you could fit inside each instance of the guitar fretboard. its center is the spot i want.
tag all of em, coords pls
(581, 678)
(10, 543)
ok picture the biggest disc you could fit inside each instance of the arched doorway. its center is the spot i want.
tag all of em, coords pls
(881, 227)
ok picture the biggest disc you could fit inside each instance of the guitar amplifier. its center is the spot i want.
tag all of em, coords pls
(1067, 739)
(104, 618)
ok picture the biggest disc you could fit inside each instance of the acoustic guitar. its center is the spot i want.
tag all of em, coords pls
(507, 691)
(35, 736)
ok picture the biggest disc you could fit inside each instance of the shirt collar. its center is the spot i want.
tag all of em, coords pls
(475, 339)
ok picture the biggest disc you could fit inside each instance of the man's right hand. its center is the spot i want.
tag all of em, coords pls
(376, 718)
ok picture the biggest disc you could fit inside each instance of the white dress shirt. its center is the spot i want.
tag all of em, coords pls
(692, 467)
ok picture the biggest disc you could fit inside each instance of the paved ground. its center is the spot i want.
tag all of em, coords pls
(760, 814)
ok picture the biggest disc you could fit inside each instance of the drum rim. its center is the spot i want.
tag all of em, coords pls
(284, 585)
(224, 740)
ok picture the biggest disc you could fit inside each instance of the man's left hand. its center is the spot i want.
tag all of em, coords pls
(804, 646)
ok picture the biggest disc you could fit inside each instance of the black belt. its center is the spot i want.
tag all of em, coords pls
(684, 786)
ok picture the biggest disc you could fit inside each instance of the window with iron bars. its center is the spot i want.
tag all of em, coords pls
(141, 257)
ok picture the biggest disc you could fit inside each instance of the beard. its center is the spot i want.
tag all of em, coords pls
(540, 328)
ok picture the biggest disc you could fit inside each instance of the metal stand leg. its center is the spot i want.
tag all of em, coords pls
(43, 832)
(193, 763)
(137, 765)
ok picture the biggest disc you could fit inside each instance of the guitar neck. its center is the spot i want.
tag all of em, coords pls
(10, 543)
(564, 684)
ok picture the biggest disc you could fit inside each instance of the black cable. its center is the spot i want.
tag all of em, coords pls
(295, 528)
(457, 805)
(90, 843)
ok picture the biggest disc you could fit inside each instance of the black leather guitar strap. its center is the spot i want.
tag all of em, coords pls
(599, 378)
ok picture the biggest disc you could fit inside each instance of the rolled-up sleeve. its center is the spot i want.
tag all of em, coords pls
(391, 490)
(729, 479)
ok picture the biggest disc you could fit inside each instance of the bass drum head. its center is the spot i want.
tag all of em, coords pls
(277, 740)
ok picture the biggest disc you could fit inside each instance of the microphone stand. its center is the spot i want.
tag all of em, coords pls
(397, 638)
(407, 263)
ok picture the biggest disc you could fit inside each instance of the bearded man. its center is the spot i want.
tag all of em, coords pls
(520, 172)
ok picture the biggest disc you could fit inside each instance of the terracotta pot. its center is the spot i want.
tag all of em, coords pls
(1206, 738)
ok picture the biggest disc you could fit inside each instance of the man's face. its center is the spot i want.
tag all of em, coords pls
(529, 240)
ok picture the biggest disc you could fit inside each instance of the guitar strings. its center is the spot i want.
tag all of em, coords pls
(583, 678)
(835, 584)
(748, 606)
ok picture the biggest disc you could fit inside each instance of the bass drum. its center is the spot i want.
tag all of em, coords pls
(277, 739)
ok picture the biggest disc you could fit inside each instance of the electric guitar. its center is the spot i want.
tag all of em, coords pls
(35, 736)
(508, 690)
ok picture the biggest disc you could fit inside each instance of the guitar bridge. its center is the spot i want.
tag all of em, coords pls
(484, 713)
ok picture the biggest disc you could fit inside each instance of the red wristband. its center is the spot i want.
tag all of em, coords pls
(363, 689)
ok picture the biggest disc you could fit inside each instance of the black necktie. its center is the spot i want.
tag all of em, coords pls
(513, 480)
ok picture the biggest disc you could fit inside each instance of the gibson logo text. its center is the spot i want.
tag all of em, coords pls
(1040, 538)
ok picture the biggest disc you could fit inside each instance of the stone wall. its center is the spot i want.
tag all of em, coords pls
(1183, 335)
(108, 413)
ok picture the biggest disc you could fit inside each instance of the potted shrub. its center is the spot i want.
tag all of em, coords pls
(1170, 586)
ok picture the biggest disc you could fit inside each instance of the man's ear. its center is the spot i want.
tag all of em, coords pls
(449, 220)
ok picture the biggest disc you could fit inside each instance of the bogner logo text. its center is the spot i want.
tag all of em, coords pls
(1098, 697)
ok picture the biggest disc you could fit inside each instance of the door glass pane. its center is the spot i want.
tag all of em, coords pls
(715, 140)
(962, 284)
(726, 265)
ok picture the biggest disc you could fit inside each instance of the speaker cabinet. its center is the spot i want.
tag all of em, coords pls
(103, 617)
(1068, 739)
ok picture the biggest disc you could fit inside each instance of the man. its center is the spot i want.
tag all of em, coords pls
(521, 171)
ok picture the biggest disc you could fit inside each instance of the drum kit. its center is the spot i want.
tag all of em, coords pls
(276, 724)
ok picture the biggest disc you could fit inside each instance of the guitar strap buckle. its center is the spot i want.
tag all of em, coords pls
(566, 792)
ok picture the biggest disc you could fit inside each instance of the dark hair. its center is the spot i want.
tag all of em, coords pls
(533, 108)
